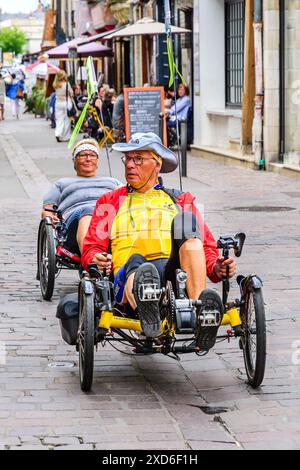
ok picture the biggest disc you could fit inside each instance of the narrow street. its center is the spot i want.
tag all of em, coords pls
(145, 402)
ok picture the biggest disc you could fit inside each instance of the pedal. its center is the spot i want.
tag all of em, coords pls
(210, 318)
(150, 293)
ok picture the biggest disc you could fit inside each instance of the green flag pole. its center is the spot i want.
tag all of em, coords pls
(91, 88)
(172, 82)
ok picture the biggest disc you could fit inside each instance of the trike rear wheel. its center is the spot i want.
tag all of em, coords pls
(86, 339)
(254, 341)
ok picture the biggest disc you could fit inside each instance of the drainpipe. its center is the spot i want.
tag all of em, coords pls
(259, 84)
(282, 80)
(132, 44)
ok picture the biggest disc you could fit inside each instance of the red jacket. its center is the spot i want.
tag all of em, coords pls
(98, 241)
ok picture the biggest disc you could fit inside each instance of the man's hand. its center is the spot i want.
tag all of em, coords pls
(221, 266)
(103, 262)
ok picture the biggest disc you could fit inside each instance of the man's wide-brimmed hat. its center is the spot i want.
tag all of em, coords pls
(153, 143)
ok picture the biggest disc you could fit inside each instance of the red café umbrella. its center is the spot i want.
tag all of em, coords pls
(42, 69)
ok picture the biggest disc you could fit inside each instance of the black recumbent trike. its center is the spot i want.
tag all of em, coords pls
(96, 319)
(52, 254)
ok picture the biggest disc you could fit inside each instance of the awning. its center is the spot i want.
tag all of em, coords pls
(99, 37)
(145, 27)
(93, 49)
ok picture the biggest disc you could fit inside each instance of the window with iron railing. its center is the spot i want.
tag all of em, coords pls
(234, 50)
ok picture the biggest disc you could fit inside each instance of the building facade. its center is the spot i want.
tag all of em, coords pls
(63, 12)
(94, 16)
(145, 59)
(32, 26)
(247, 82)
(218, 75)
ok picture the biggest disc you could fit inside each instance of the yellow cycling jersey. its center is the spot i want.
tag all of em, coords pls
(143, 226)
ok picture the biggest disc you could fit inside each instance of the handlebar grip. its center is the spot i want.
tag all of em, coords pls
(104, 269)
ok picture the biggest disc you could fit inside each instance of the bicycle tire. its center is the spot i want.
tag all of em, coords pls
(254, 325)
(47, 261)
(86, 340)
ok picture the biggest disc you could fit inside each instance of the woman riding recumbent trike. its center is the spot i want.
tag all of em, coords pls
(67, 211)
(96, 319)
(52, 254)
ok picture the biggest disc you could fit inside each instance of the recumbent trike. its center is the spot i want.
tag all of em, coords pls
(96, 319)
(52, 254)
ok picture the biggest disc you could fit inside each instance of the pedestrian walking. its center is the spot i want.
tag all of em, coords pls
(2, 97)
(52, 105)
(15, 91)
(64, 94)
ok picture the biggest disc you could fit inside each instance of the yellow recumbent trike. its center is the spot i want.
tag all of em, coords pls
(100, 322)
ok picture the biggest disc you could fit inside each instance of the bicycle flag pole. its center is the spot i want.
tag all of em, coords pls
(172, 82)
(92, 80)
(92, 89)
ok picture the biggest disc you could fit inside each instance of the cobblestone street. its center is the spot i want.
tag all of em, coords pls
(145, 402)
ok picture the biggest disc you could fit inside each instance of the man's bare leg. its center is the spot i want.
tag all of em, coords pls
(193, 262)
(82, 230)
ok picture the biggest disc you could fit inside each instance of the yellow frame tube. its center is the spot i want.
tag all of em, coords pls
(232, 318)
(108, 320)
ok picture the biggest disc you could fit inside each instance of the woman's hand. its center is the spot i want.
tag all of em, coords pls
(53, 217)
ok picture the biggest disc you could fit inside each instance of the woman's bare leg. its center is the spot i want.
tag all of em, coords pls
(82, 230)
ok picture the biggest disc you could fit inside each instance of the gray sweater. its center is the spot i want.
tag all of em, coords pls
(68, 194)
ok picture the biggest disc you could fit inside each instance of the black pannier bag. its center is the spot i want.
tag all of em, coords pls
(68, 315)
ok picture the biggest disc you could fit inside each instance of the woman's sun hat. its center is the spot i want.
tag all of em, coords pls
(86, 144)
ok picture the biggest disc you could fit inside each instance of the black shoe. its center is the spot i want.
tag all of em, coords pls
(148, 308)
(209, 319)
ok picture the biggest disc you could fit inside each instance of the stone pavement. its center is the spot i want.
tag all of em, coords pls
(144, 402)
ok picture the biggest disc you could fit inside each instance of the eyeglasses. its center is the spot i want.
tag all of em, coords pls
(85, 156)
(138, 161)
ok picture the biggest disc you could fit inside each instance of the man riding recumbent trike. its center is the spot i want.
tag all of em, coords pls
(147, 255)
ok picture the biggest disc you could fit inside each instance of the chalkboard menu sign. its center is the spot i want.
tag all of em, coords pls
(142, 109)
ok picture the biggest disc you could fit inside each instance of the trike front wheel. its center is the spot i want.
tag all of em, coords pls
(86, 339)
(254, 340)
